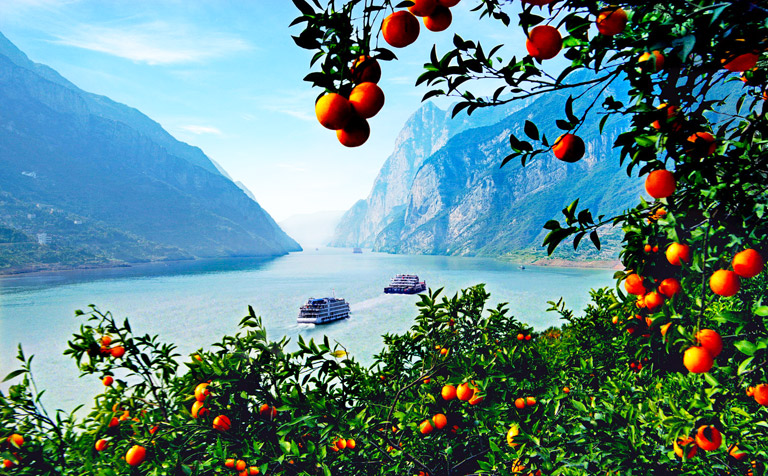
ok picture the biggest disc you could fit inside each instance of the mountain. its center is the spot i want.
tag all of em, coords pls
(445, 193)
(312, 229)
(86, 181)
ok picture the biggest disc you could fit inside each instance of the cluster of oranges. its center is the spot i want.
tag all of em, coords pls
(438, 421)
(401, 28)
(464, 392)
(267, 412)
(201, 393)
(523, 337)
(759, 393)
(241, 467)
(116, 351)
(14, 442)
(342, 443)
(707, 438)
(521, 402)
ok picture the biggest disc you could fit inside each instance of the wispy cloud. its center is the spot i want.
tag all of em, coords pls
(155, 43)
(201, 129)
(298, 104)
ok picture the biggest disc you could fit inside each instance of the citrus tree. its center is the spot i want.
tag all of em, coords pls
(665, 374)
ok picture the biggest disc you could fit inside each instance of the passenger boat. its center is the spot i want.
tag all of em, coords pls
(323, 310)
(405, 284)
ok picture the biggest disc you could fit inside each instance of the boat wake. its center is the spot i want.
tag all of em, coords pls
(377, 302)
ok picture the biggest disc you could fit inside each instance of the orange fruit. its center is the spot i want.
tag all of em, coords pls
(669, 287)
(615, 319)
(677, 252)
(611, 21)
(660, 183)
(135, 455)
(748, 263)
(400, 29)
(222, 423)
(464, 392)
(439, 20)
(724, 282)
(240, 465)
(735, 453)
(355, 133)
(520, 403)
(101, 445)
(448, 3)
(425, 427)
(653, 300)
(697, 360)
(681, 443)
(198, 409)
(351, 443)
(671, 118)
(514, 430)
(440, 421)
(108, 380)
(366, 99)
(201, 391)
(701, 144)
(530, 401)
(106, 340)
(760, 394)
(333, 111)
(711, 341)
(365, 70)
(448, 392)
(647, 248)
(634, 284)
(16, 440)
(444, 351)
(341, 443)
(476, 399)
(253, 471)
(114, 422)
(117, 352)
(566, 390)
(544, 42)
(569, 148)
(708, 438)
(520, 336)
(742, 62)
(658, 64)
(528, 337)
(422, 8)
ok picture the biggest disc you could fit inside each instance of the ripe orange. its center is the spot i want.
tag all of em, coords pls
(634, 284)
(569, 148)
(448, 392)
(117, 352)
(514, 430)
(108, 380)
(611, 21)
(520, 403)
(440, 421)
(724, 282)
(708, 438)
(106, 340)
(681, 443)
(748, 263)
(677, 252)
(660, 183)
(114, 422)
(400, 29)
(448, 3)
(566, 390)
(422, 8)
(657, 65)
(711, 341)
(528, 337)
(198, 409)
(365, 70)
(671, 119)
(701, 144)
(439, 20)
(201, 391)
(444, 351)
(341, 443)
(760, 394)
(669, 287)
(222, 423)
(425, 427)
(697, 360)
(530, 401)
(464, 392)
(101, 445)
(653, 300)
(333, 111)
(351, 443)
(735, 453)
(476, 399)
(135, 455)
(355, 133)
(366, 99)
(742, 62)
(544, 42)
(253, 471)
(240, 465)
(16, 440)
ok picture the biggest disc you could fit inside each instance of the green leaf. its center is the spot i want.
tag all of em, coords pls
(14, 374)
(761, 311)
(745, 347)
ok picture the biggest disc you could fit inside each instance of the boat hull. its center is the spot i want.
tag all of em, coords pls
(408, 290)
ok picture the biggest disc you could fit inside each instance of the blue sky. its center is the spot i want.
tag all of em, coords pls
(224, 75)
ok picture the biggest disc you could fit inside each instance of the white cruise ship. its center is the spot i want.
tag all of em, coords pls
(323, 310)
(405, 284)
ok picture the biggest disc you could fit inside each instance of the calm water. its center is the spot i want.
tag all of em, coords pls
(194, 304)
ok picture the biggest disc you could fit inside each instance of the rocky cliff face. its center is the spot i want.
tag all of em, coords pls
(459, 202)
(115, 172)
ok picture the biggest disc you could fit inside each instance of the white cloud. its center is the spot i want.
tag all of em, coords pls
(201, 129)
(154, 43)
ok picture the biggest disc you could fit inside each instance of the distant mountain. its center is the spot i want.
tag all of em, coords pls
(312, 230)
(444, 192)
(86, 181)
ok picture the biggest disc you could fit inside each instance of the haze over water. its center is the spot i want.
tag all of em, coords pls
(193, 304)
